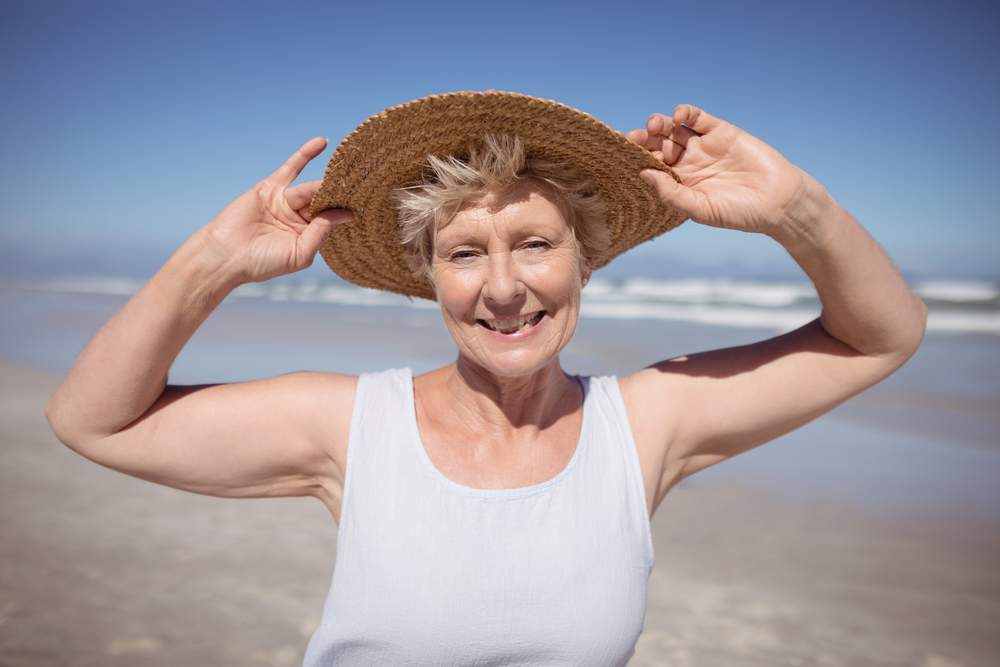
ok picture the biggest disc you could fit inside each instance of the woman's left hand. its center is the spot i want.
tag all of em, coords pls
(729, 178)
(691, 412)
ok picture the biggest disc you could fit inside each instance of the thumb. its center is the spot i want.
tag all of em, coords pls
(321, 227)
(670, 192)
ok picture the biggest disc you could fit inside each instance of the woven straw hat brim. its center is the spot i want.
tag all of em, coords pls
(390, 150)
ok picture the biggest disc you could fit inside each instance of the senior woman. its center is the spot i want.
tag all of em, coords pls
(494, 511)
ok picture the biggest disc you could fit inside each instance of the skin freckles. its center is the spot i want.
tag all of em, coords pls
(495, 262)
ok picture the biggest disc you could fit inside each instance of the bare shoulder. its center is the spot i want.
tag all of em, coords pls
(332, 393)
(652, 417)
(655, 396)
(309, 424)
(324, 402)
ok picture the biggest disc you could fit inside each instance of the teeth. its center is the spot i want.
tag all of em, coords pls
(516, 324)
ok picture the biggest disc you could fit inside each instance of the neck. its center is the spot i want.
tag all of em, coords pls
(538, 400)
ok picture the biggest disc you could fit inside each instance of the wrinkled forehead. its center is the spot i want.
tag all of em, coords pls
(492, 204)
(529, 212)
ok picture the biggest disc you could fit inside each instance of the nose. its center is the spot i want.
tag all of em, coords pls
(503, 282)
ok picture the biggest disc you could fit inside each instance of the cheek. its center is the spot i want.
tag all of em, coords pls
(559, 278)
(457, 292)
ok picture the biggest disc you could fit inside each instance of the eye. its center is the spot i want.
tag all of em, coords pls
(536, 245)
(462, 255)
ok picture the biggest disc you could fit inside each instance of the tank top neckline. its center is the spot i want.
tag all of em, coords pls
(493, 494)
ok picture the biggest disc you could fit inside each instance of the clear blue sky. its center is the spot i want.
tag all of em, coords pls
(126, 126)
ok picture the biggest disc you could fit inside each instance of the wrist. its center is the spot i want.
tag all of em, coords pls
(199, 276)
(811, 218)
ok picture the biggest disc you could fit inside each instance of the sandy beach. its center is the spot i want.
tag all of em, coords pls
(100, 569)
(795, 554)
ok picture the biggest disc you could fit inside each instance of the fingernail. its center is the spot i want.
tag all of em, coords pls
(648, 177)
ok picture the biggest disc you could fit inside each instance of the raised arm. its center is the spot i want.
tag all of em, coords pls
(270, 437)
(691, 412)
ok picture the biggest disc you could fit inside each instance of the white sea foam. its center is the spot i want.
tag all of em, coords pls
(753, 318)
(776, 306)
(315, 291)
(769, 295)
(360, 296)
(957, 290)
(85, 285)
(963, 322)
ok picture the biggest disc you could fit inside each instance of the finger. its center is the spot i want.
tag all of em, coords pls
(658, 128)
(680, 135)
(299, 195)
(294, 165)
(658, 124)
(337, 216)
(651, 142)
(695, 119)
(670, 153)
(638, 136)
(658, 139)
(670, 192)
(656, 133)
(319, 229)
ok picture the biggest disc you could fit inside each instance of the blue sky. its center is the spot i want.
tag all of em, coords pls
(126, 126)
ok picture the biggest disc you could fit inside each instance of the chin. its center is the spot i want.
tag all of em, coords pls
(514, 355)
(514, 363)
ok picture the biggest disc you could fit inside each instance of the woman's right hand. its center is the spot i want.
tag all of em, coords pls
(268, 232)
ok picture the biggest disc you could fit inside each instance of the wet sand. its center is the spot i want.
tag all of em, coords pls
(100, 569)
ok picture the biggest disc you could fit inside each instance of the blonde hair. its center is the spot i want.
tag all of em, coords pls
(498, 168)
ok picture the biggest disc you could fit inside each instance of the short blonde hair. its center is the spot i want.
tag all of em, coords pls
(498, 167)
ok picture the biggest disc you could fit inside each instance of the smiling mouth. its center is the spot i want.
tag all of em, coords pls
(514, 325)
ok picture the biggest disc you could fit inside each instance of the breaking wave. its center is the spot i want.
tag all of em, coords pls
(956, 306)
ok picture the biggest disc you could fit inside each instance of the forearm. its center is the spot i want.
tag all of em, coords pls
(867, 304)
(123, 370)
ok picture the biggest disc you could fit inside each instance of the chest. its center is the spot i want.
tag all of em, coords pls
(484, 458)
(437, 573)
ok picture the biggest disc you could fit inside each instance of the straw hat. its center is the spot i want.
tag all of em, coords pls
(390, 150)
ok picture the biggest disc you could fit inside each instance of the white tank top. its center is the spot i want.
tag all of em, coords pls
(430, 572)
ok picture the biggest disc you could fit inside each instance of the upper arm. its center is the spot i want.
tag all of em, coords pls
(284, 436)
(691, 412)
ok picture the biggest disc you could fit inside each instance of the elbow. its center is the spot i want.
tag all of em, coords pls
(63, 426)
(887, 340)
(54, 416)
(917, 329)
(910, 334)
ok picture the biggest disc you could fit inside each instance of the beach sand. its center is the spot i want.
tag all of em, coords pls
(97, 568)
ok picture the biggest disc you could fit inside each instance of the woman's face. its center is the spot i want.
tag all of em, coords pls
(508, 281)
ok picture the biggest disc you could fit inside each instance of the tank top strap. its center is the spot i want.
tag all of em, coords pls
(379, 450)
(615, 450)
